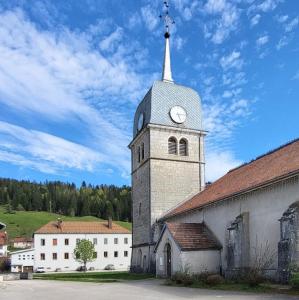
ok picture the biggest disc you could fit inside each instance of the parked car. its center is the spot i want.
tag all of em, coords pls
(110, 267)
(40, 270)
(81, 269)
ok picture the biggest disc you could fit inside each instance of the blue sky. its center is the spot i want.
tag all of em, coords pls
(73, 72)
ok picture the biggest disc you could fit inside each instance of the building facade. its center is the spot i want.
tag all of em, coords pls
(21, 242)
(55, 243)
(3, 244)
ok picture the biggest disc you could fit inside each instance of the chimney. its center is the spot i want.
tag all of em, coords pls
(59, 223)
(110, 222)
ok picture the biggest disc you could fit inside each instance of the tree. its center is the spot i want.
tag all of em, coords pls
(84, 252)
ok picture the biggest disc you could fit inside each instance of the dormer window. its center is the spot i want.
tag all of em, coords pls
(183, 147)
(172, 145)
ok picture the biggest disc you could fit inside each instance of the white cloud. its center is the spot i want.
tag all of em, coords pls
(282, 19)
(150, 17)
(262, 40)
(282, 42)
(292, 24)
(219, 163)
(110, 42)
(255, 20)
(59, 78)
(44, 151)
(232, 60)
(220, 29)
(296, 76)
(268, 5)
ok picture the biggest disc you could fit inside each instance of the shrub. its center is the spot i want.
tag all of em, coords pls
(183, 278)
(294, 281)
(214, 279)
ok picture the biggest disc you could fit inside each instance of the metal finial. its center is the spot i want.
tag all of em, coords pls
(168, 21)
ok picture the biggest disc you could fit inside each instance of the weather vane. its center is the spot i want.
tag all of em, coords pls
(168, 21)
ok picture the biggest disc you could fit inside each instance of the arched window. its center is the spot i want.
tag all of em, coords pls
(183, 147)
(172, 145)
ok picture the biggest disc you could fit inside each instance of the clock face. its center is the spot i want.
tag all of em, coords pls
(140, 122)
(178, 114)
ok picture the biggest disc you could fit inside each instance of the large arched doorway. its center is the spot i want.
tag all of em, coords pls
(168, 260)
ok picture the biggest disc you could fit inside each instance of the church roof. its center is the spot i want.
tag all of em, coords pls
(193, 236)
(161, 97)
(266, 169)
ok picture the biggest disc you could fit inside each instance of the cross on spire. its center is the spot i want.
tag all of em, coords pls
(168, 21)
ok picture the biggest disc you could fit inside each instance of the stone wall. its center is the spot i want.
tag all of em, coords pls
(265, 207)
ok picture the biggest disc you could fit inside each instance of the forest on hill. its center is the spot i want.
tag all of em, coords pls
(58, 197)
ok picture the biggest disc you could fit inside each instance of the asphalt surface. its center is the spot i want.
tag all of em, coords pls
(132, 290)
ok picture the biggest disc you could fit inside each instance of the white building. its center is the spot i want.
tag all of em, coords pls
(22, 260)
(54, 245)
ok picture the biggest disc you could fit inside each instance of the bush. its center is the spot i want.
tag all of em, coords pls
(4, 264)
(214, 279)
(183, 278)
(294, 281)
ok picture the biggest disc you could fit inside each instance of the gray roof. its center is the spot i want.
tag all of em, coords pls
(161, 97)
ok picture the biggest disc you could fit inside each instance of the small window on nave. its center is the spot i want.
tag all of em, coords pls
(139, 154)
(172, 145)
(142, 151)
(183, 147)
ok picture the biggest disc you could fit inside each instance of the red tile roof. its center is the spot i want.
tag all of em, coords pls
(81, 227)
(193, 236)
(3, 238)
(20, 239)
(275, 165)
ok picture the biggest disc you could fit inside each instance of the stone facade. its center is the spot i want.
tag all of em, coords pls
(263, 209)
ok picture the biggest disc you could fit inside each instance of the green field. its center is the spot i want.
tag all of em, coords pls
(93, 276)
(25, 223)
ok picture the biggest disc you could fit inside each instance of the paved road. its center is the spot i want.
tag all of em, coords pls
(133, 290)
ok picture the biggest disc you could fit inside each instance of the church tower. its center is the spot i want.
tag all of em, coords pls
(167, 154)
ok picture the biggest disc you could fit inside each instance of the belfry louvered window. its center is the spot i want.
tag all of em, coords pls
(183, 147)
(172, 145)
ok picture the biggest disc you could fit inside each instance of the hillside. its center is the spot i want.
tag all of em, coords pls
(24, 223)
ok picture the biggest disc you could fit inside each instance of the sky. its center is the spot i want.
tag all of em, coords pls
(73, 72)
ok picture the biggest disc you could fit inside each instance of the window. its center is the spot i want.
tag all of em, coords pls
(139, 154)
(126, 240)
(20, 257)
(115, 254)
(24, 257)
(95, 241)
(125, 253)
(142, 151)
(77, 241)
(115, 241)
(105, 241)
(139, 209)
(172, 145)
(54, 242)
(95, 254)
(54, 256)
(32, 256)
(42, 256)
(66, 255)
(66, 242)
(42, 242)
(183, 147)
(105, 254)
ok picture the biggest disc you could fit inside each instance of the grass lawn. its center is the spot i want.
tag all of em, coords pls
(24, 223)
(93, 276)
(230, 286)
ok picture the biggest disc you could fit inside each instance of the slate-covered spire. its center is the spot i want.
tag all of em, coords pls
(166, 72)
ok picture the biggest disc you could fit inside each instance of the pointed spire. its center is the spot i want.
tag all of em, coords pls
(166, 73)
(168, 21)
